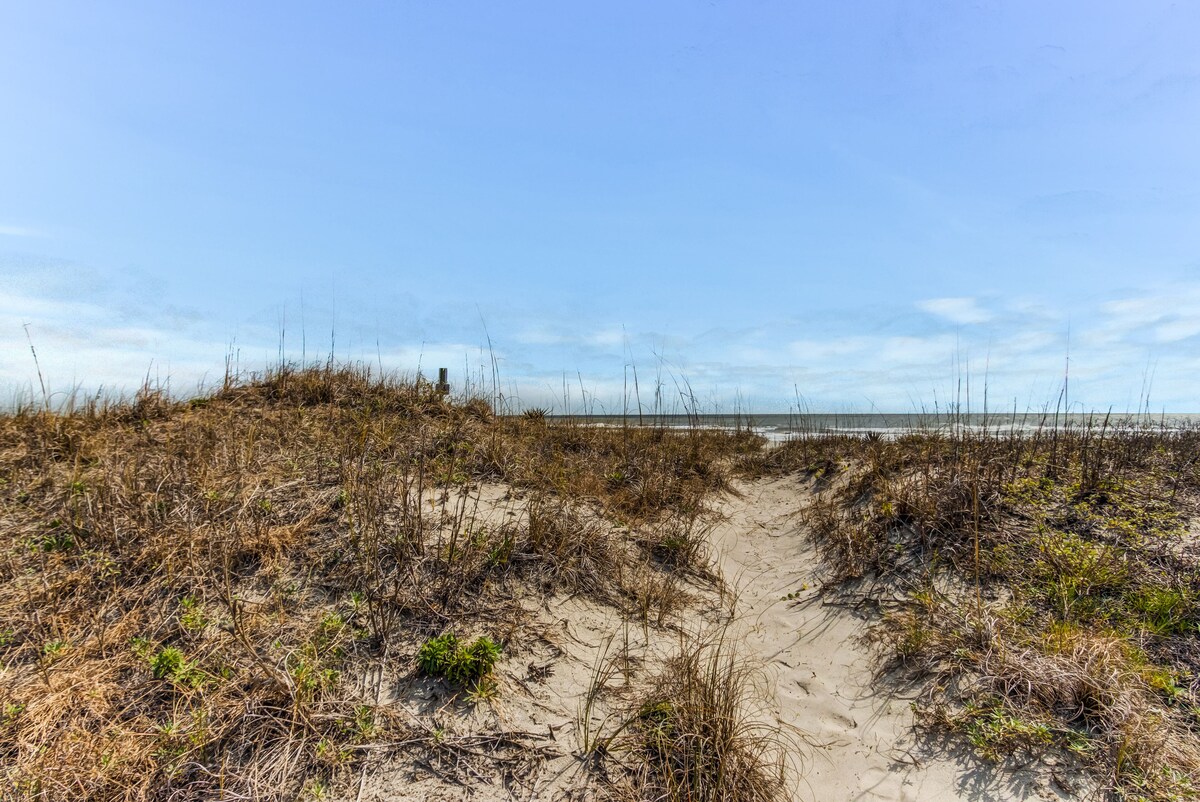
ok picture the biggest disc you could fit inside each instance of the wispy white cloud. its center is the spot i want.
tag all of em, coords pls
(1180, 328)
(20, 231)
(811, 349)
(603, 337)
(957, 310)
(87, 344)
(1150, 318)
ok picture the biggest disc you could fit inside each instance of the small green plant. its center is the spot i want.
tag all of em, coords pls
(459, 664)
(670, 546)
(167, 663)
(191, 615)
(436, 653)
(311, 676)
(54, 648)
(314, 789)
(11, 713)
(452, 477)
(502, 553)
(328, 629)
(657, 722)
(616, 478)
(362, 723)
(482, 691)
(170, 664)
(331, 754)
(994, 731)
(57, 540)
(1164, 681)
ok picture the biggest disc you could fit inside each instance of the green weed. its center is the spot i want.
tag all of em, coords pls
(170, 664)
(459, 664)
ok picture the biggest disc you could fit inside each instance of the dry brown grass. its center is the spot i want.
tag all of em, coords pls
(698, 733)
(696, 730)
(192, 593)
(1050, 585)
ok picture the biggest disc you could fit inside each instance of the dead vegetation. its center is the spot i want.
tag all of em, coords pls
(694, 729)
(195, 596)
(199, 599)
(695, 732)
(1044, 587)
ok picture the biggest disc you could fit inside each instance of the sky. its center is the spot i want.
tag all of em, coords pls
(840, 206)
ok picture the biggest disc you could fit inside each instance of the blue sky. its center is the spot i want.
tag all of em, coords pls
(852, 202)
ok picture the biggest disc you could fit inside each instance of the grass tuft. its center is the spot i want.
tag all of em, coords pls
(695, 733)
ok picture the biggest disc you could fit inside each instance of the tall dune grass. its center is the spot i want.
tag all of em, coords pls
(1048, 584)
(194, 593)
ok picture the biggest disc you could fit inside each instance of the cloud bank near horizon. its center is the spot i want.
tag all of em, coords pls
(1117, 351)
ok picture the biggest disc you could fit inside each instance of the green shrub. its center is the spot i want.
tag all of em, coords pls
(459, 664)
(1164, 610)
(435, 654)
(994, 730)
(170, 664)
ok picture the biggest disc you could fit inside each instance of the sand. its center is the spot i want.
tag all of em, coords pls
(854, 729)
(859, 726)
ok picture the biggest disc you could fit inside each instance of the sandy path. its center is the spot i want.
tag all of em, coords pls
(862, 742)
(820, 683)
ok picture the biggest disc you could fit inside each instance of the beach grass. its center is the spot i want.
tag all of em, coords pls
(195, 594)
(199, 597)
(1043, 587)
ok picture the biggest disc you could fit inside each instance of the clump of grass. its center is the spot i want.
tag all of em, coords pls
(694, 733)
(635, 473)
(536, 414)
(681, 543)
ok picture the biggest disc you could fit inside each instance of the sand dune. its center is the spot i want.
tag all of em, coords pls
(859, 726)
(853, 729)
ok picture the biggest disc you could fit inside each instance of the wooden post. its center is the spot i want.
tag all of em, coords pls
(443, 382)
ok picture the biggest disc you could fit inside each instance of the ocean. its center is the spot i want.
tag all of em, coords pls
(782, 427)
